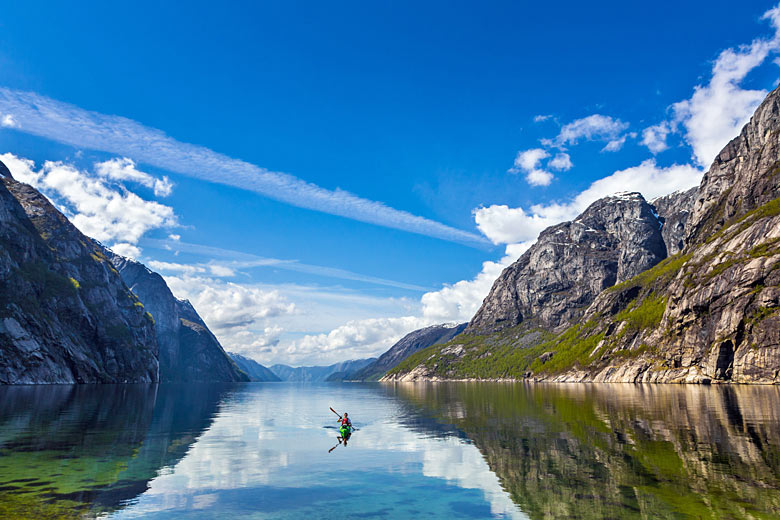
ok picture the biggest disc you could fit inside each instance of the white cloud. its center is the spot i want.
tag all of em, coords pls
(65, 123)
(174, 237)
(171, 267)
(539, 178)
(717, 111)
(354, 340)
(529, 159)
(505, 225)
(238, 260)
(237, 314)
(542, 117)
(124, 170)
(528, 162)
(595, 127)
(614, 145)
(561, 162)
(111, 214)
(221, 270)
(126, 250)
(460, 301)
(275, 323)
(654, 137)
(8, 121)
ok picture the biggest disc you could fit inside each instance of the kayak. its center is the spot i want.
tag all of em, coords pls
(346, 431)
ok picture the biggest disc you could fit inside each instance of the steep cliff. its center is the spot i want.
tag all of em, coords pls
(257, 373)
(673, 211)
(710, 313)
(570, 264)
(65, 314)
(189, 352)
(405, 347)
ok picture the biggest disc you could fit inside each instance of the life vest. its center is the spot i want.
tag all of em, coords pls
(345, 422)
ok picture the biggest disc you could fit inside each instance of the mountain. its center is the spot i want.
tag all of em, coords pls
(66, 316)
(255, 371)
(405, 347)
(708, 313)
(554, 281)
(673, 211)
(188, 351)
(317, 374)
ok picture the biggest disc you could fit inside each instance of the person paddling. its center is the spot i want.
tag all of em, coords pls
(346, 428)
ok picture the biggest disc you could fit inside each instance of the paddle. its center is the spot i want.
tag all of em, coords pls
(334, 411)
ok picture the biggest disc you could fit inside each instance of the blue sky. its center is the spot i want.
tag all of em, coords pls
(321, 179)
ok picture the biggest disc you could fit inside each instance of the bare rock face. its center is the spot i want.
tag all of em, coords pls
(708, 313)
(554, 281)
(673, 211)
(720, 320)
(65, 314)
(189, 352)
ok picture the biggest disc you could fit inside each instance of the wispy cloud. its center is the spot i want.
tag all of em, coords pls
(69, 124)
(717, 111)
(239, 260)
(595, 127)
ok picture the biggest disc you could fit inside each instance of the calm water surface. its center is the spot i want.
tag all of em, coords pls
(461, 450)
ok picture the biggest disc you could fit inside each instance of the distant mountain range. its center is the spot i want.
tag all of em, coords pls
(405, 347)
(317, 374)
(257, 373)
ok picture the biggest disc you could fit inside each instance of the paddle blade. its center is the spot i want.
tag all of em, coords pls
(334, 411)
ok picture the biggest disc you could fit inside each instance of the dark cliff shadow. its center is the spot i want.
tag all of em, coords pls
(620, 451)
(73, 450)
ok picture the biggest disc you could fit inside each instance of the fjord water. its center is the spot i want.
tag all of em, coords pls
(458, 450)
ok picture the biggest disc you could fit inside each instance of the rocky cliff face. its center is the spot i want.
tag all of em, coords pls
(65, 314)
(718, 316)
(257, 373)
(405, 347)
(673, 211)
(189, 352)
(554, 281)
(710, 313)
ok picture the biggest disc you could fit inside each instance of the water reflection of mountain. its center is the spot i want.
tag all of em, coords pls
(427, 422)
(621, 451)
(75, 449)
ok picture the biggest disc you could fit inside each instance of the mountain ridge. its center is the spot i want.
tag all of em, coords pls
(66, 316)
(708, 313)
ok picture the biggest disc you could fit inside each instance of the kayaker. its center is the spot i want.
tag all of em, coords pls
(346, 428)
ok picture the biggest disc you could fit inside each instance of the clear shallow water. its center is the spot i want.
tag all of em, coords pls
(461, 450)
